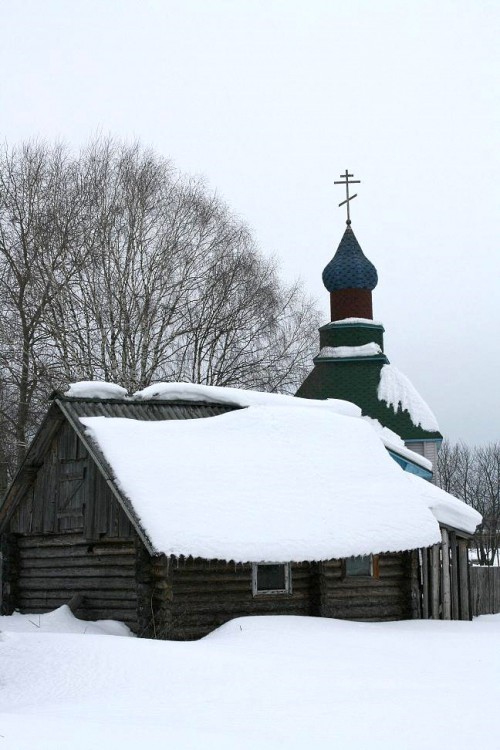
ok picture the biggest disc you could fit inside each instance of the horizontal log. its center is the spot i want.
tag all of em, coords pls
(375, 595)
(67, 584)
(129, 618)
(245, 598)
(93, 595)
(365, 584)
(74, 541)
(122, 561)
(358, 604)
(384, 573)
(239, 608)
(76, 552)
(354, 613)
(230, 585)
(78, 572)
(50, 604)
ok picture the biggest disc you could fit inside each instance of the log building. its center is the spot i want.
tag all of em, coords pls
(68, 529)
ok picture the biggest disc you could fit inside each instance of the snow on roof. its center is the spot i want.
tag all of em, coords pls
(357, 321)
(265, 484)
(396, 389)
(394, 442)
(243, 398)
(95, 389)
(239, 397)
(341, 352)
(448, 509)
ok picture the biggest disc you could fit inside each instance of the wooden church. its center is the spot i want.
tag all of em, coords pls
(351, 363)
(316, 534)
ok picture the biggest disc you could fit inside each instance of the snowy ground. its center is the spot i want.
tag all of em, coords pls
(264, 682)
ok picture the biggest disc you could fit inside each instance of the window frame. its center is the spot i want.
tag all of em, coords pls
(374, 568)
(287, 591)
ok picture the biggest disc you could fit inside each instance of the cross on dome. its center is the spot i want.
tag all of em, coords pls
(345, 181)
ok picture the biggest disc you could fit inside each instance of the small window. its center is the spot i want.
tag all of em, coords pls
(271, 578)
(360, 566)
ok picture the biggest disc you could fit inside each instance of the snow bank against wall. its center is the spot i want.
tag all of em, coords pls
(397, 390)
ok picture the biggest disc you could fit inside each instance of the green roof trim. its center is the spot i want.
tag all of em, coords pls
(339, 360)
(351, 324)
(357, 380)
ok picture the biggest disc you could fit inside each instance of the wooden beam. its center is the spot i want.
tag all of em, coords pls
(425, 583)
(416, 591)
(455, 599)
(463, 578)
(435, 580)
(445, 574)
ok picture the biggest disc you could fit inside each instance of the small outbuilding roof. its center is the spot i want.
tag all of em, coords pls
(280, 479)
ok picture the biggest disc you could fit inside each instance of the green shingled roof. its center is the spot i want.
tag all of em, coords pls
(357, 379)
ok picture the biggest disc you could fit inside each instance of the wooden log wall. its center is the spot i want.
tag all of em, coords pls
(9, 564)
(191, 597)
(52, 569)
(386, 597)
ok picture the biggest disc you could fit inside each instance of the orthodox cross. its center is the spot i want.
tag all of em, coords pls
(345, 181)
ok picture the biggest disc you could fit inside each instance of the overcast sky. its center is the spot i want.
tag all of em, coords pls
(271, 100)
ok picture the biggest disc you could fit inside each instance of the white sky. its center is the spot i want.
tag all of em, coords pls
(271, 100)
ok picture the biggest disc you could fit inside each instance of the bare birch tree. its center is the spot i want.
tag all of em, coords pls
(39, 223)
(175, 289)
(115, 266)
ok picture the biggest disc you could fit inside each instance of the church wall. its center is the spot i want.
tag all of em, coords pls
(428, 449)
(339, 334)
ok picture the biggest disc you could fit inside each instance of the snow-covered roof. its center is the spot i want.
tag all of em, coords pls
(356, 321)
(268, 482)
(193, 392)
(342, 352)
(205, 393)
(242, 397)
(446, 508)
(95, 389)
(398, 391)
(239, 397)
(394, 443)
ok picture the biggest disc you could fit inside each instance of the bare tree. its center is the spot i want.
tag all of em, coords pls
(175, 288)
(115, 266)
(39, 222)
(473, 474)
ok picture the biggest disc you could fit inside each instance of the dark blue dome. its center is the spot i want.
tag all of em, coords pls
(349, 268)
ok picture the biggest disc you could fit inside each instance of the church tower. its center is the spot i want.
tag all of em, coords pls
(351, 363)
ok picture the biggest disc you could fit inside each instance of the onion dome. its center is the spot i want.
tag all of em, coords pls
(349, 267)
